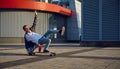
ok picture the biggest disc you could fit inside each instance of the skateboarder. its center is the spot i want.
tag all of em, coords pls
(35, 39)
(28, 44)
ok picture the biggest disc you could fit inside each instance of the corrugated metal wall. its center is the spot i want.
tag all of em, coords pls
(73, 23)
(90, 20)
(119, 18)
(11, 22)
(110, 23)
(57, 22)
(100, 20)
(43, 22)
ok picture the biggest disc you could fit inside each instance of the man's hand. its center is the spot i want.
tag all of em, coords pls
(35, 12)
(36, 15)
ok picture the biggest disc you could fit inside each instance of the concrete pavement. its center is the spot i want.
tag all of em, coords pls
(73, 57)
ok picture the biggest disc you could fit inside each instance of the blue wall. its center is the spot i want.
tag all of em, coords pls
(100, 20)
(119, 19)
(73, 22)
(90, 20)
(110, 17)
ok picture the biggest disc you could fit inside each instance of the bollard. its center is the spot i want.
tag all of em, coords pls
(40, 48)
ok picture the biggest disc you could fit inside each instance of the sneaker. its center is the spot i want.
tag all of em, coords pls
(63, 30)
(31, 54)
(45, 51)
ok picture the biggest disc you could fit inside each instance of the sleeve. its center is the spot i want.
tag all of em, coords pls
(28, 44)
(34, 23)
(27, 38)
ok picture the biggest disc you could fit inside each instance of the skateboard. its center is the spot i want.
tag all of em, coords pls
(47, 53)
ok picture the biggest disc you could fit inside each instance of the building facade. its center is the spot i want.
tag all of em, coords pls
(87, 21)
(101, 21)
(52, 14)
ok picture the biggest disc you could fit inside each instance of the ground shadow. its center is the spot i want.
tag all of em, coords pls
(39, 58)
(45, 57)
(94, 57)
(12, 54)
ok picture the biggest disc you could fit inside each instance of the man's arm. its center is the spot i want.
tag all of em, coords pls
(34, 23)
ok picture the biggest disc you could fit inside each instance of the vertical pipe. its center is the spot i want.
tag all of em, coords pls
(100, 20)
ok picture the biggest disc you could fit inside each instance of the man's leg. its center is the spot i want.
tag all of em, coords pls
(45, 41)
(54, 31)
(47, 44)
(50, 32)
(30, 50)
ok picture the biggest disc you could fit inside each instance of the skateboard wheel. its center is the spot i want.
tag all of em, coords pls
(52, 54)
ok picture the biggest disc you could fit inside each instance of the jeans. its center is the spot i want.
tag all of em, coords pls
(31, 49)
(45, 40)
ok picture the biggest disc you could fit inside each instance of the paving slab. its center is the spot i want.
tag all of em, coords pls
(15, 57)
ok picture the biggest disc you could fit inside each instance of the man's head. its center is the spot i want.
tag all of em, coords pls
(26, 28)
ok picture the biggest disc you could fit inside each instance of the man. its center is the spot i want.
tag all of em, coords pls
(28, 44)
(37, 39)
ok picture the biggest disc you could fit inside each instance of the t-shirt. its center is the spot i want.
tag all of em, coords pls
(33, 37)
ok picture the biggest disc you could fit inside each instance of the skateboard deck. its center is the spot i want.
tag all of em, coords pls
(48, 53)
